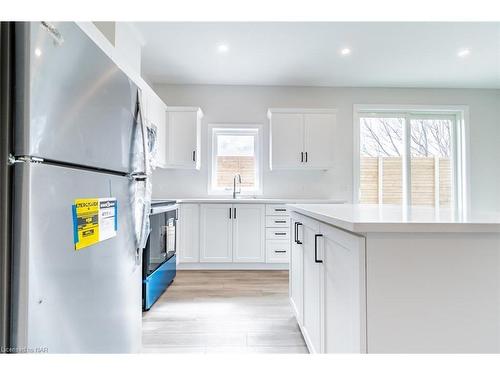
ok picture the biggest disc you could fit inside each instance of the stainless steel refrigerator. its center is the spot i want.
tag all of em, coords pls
(76, 133)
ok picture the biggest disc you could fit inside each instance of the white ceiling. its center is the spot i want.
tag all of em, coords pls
(383, 54)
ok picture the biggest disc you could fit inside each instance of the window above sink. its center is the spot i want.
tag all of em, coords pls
(235, 149)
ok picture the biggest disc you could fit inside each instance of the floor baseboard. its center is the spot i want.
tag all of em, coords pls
(233, 266)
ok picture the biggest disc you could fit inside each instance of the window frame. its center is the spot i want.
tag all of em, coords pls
(234, 129)
(460, 145)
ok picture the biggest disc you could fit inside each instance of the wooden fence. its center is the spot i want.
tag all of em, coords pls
(228, 166)
(381, 181)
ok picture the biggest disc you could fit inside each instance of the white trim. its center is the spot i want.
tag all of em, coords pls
(270, 111)
(185, 109)
(232, 127)
(460, 115)
(405, 108)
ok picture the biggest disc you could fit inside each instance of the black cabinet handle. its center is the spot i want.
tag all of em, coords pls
(280, 221)
(280, 233)
(235, 212)
(230, 212)
(297, 241)
(306, 156)
(280, 209)
(280, 251)
(194, 155)
(316, 248)
(302, 157)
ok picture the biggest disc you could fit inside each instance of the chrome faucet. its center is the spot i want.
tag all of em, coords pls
(234, 185)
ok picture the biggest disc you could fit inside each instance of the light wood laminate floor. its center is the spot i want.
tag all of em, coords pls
(223, 312)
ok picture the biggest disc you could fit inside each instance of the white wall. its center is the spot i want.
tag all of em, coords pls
(128, 43)
(249, 104)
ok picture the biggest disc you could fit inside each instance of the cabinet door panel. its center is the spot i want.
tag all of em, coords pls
(296, 273)
(287, 140)
(182, 139)
(189, 229)
(215, 233)
(343, 262)
(318, 130)
(248, 233)
(312, 314)
(158, 117)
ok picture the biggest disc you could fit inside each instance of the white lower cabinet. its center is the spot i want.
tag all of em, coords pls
(248, 233)
(277, 251)
(235, 235)
(296, 273)
(312, 314)
(343, 278)
(216, 233)
(327, 287)
(189, 233)
(232, 233)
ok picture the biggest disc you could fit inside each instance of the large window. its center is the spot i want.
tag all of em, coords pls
(410, 157)
(235, 151)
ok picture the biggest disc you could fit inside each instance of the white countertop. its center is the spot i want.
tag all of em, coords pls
(254, 200)
(390, 218)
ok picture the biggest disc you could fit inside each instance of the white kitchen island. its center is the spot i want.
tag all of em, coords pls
(385, 279)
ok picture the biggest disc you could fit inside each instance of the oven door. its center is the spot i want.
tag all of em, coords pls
(161, 242)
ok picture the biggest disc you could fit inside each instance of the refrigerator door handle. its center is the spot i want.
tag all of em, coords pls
(144, 132)
(143, 177)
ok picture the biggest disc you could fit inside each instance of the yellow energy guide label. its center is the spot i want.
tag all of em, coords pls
(94, 220)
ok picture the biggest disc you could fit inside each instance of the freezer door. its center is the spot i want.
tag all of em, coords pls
(66, 300)
(73, 104)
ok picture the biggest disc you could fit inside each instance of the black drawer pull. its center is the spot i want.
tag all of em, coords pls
(316, 248)
(194, 155)
(280, 221)
(280, 209)
(297, 241)
(280, 251)
(280, 233)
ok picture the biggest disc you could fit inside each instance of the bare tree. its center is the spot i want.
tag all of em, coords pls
(384, 137)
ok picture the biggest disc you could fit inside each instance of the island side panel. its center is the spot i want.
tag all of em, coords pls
(433, 292)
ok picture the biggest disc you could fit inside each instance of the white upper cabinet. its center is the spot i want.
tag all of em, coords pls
(301, 138)
(154, 111)
(318, 140)
(183, 137)
(286, 141)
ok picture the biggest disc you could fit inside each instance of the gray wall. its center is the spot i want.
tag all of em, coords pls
(240, 104)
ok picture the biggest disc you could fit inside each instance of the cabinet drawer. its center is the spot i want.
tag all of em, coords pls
(277, 221)
(276, 209)
(277, 251)
(277, 233)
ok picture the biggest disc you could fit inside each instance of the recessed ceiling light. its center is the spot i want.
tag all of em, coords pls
(222, 48)
(463, 52)
(345, 51)
(38, 52)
